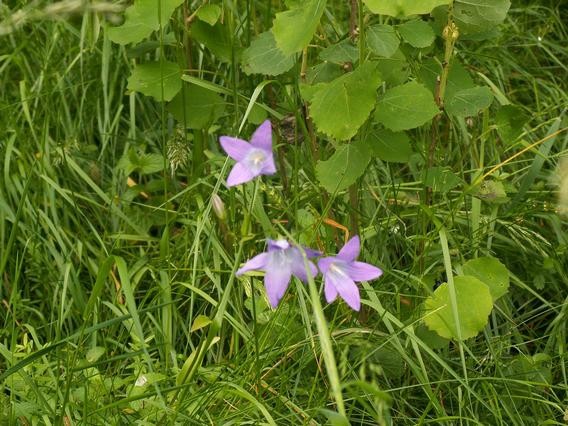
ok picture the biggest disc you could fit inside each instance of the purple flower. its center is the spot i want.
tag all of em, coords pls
(280, 262)
(340, 273)
(254, 158)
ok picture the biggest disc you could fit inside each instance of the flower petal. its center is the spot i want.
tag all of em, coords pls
(324, 263)
(350, 250)
(276, 282)
(262, 136)
(268, 166)
(277, 244)
(311, 252)
(299, 269)
(361, 271)
(235, 148)
(346, 288)
(256, 263)
(329, 290)
(239, 174)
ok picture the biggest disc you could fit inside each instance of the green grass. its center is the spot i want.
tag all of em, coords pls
(101, 283)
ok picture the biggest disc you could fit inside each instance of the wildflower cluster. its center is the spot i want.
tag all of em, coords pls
(282, 260)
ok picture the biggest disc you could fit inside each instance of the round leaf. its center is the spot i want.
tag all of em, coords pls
(474, 305)
(263, 57)
(343, 168)
(417, 33)
(469, 102)
(196, 107)
(491, 272)
(162, 81)
(340, 107)
(406, 107)
(403, 7)
(382, 40)
(390, 146)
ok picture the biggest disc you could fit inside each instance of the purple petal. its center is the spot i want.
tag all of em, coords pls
(277, 244)
(256, 263)
(268, 167)
(361, 271)
(350, 250)
(276, 282)
(299, 270)
(324, 263)
(329, 290)
(262, 136)
(235, 148)
(311, 252)
(239, 174)
(346, 288)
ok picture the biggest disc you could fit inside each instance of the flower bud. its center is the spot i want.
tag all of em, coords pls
(218, 207)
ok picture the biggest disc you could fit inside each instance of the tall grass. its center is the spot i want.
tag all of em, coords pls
(105, 285)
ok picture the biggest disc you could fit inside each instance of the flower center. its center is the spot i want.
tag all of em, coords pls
(255, 160)
(335, 268)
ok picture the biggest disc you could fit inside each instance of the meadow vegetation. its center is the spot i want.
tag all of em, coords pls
(435, 135)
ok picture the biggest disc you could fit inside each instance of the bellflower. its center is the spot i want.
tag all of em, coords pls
(254, 158)
(340, 273)
(280, 262)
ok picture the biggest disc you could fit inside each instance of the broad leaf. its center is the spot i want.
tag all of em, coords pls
(490, 271)
(339, 53)
(469, 102)
(441, 179)
(390, 146)
(215, 38)
(481, 13)
(162, 80)
(417, 33)
(294, 28)
(510, 120)
(473, 303)
(394, 70)
(406, 107)
(141, 19)
(382, 40)
(323, 73)
(340, 107)
(403, 7)
(492, 192)
(458, 77)
(343, 168)
(263, 57)
(196, 107)
(209, 13)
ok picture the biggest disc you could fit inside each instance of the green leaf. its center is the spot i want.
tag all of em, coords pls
(323, 73)
(406, 107)
(339, 53)
(294, 28)
(482, 13)
(209, 13)
(469, 102)
(492, 192)
(334, 418)
(215, 38)
(394, 70)
(95, 353)
(403, 7)
(382, 40)
(473, 303)
(263, 57)
(458, 77)
(510, 120)
(441, 179)
(160, 80)
(141, 19)
(417, 33)
(196, 107)
(491, 272)
(343, 168)
(200, 322)
(340, 107)
(390, 146)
